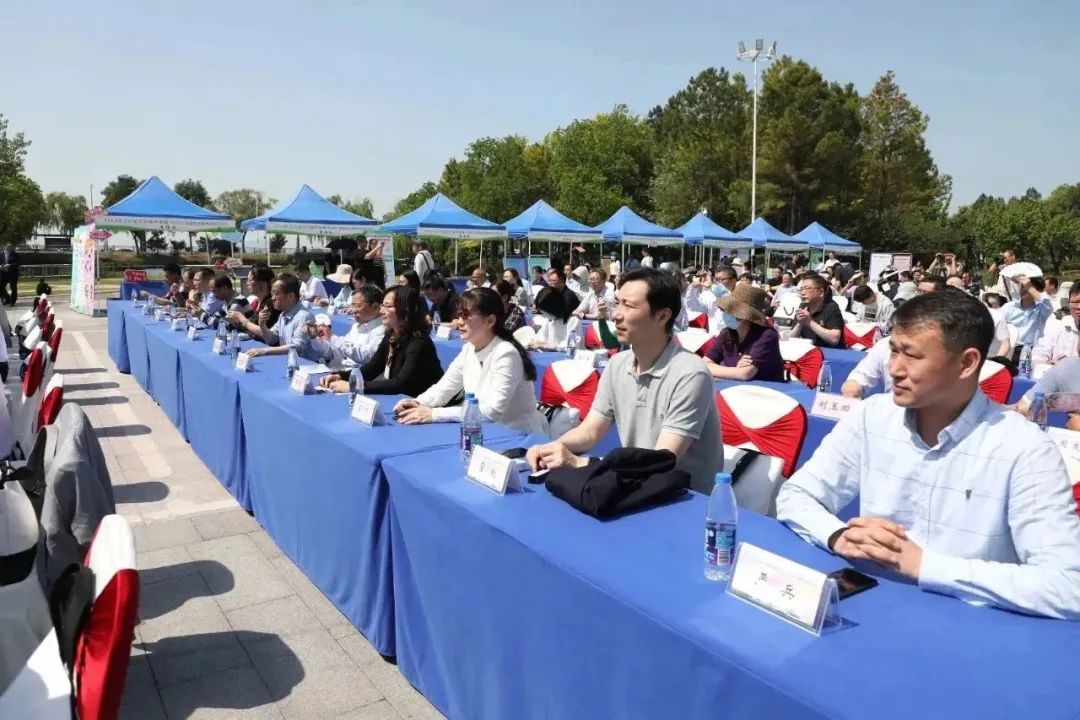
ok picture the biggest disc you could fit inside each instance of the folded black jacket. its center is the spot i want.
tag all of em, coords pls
(625, 480)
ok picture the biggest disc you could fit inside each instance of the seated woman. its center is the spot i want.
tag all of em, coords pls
(259, 281)
(409, 278)
(492, 366)
(521, 295)
(405, 362)
(515, 316)
(747, 348)
(550, 321)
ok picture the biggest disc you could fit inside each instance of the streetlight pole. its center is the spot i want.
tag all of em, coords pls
(752, 56)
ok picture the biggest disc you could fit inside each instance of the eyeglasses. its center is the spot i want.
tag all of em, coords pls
(384, 306)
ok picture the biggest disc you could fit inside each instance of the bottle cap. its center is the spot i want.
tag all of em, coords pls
(723, 478)
(469, 396)
(1040, 395)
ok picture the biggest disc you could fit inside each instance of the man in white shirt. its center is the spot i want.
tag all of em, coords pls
(599, 300)
(871, 306)
(871, 375)
(1029, 313)
(955, 492)
(479, 278)
(1001, 345)
(358, 345)
(423, 263)
(1062, 341)
(832, 261)
(614, 267)
(646, 258)
(311, 288)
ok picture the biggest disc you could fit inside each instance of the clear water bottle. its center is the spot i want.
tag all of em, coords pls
(1025, 363)
(1038, 410)
(222, 331)
(721, 520)
(472, 428)
(824, 381)
(292, 363)
(135, 298)
(435, 319)
(189, 321)
(572, 343)
(234, 344)
(356, 384)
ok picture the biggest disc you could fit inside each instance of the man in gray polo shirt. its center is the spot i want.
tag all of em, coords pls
(659, 395)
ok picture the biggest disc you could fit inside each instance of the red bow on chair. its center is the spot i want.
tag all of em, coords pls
(997, 386)
(570, 382)
(851, 339)
(807, 368)
(782, 438)
(697, 320)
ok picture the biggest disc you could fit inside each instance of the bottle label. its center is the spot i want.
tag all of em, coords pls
(720, 544)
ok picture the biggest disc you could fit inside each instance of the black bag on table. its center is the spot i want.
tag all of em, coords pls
(625, 480)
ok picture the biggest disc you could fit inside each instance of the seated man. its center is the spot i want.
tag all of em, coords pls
(294, 327)
(443, 300)
(206, 302)
(871, 375)
(358, 345)
(658, 395)
(599, 300)
(955, 492)
(479, 278)
(1064, 377)
(311, 288)
(225, 298)
(174, 283)
(1061, 342)
(871, 306)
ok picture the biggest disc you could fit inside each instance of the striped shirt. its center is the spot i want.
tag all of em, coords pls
(990, 504)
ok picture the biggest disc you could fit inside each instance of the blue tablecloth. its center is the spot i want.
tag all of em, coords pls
(521, 607)
(842, 363)
(134, 327)
(163, 351)
(118, 350)
(154, 287)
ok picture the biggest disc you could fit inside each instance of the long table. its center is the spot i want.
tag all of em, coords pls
(520, 606)
(312, 477)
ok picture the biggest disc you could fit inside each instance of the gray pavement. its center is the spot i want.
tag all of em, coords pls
(229, 626)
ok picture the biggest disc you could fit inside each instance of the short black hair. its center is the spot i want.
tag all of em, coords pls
(1038, 283)
(906, 276)
(290, 284)
(963, 321)
(663, 291)
(221, 280)
(726, 270)
(505, 289)
(171, 268)
(262, 273)
(1074, 290)
(437, 283)
(561, 272)
(372, 294)
(862, 293)
(937, 281)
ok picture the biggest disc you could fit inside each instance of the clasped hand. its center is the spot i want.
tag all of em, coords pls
(880, 541)
(410, 412)
(553, 455)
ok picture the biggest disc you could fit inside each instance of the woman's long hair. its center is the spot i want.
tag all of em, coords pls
(485, 301)
(411, 279)
(553, 303)
(517, 277)
(411, 312)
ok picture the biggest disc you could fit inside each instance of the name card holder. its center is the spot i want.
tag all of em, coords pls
(158, 316)
(802, 596)
(176, 324)
(443, 332)
(366, 411)
(243, 362)
(833, 406)
(301, 383)
(218, 348)
(589, 357)
(192, 333)
(493, 470)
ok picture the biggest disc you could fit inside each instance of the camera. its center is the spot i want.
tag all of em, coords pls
(999, 259)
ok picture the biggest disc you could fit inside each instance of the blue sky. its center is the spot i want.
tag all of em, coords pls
(371, 98)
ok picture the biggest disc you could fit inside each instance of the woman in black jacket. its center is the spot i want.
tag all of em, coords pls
(405, 362)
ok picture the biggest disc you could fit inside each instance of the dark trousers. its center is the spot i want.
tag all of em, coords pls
(9, 280)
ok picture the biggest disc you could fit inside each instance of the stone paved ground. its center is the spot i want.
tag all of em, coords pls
(230, 627)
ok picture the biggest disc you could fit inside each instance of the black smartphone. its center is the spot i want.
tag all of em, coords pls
(514, 453)
(851, 582)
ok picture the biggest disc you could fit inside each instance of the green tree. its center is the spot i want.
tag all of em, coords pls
(65, 212)
(243, 204)
(177, 246)
(277, 243)
(192, 191)
(498, 177)
(412, 201)
(358, 206)
(600, 164)
(116, 191)
(703, 155)
(155, 242)
(22, 208)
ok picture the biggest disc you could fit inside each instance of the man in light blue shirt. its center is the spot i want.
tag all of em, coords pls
(295, 326)
(1028, 314)
(955, 492)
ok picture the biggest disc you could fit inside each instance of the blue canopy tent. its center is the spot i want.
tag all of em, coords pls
(628, 228)
(154, 206)
(543, 222)
(703, 232)
(441, 217)
(822, 238)
(309, 213)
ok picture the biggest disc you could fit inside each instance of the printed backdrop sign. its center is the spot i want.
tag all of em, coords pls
(83, 270)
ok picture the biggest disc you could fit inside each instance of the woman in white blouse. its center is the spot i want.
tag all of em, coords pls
(492, 366)
(550, 321)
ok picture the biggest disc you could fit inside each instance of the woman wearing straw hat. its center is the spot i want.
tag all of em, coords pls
(747, 348)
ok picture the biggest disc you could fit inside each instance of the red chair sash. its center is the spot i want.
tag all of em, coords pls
(701, 320)
(807, 368)
(50, 408)
(851, 339)
(104, 647)
(581, 397)
(998, 386)
(35, 369)
(54, 342)
(782, 438)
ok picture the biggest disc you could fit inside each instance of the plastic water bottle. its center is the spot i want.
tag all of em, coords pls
(188, 320)
(222, 331)
(824, 382)
(292, 363)
(572, 343)
(234, 344)
(135, 298)
(472, 428)
(721, 521)
(1038, 410)
(356, 384)
(435, 320)
(1025, 363)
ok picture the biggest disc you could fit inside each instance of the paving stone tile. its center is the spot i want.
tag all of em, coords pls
(236, 693)
(226, 522)
(164, 534)
(282, 617)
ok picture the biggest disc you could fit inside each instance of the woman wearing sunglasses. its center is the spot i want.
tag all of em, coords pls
(492, 366)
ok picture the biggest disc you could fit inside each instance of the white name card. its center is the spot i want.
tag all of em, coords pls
(366, 410)
(493, 470)
(243, 362)
(833, 406)
(218, 347)
(803, 596)
(192, 333)
(159, 316)
(300, 383)
(443, 332)
(176, 324)
(1068, 441)
(589, 357)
